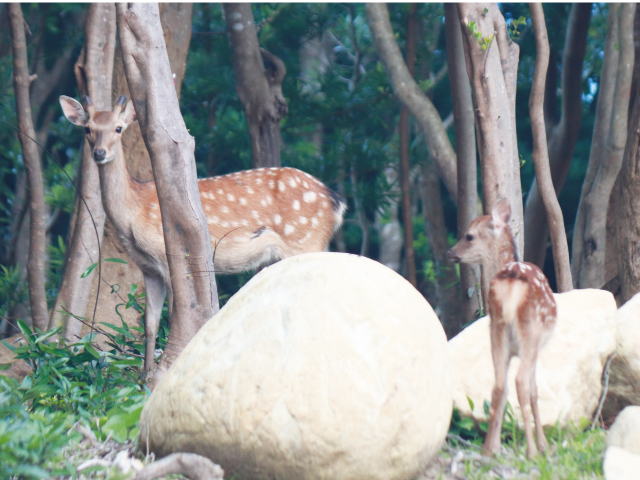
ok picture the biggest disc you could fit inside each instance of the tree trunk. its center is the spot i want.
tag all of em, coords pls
(259, 88)
(403, 131)
(628, 212)
(561, 137)
(592, 274)
(171, 148)
(447, 292)
(406, 89)
(389, 229)
(493, 71)
(94, 70)
(606, 90)
(37, 240)
(465, 153)
(541, 154)
(176, 26)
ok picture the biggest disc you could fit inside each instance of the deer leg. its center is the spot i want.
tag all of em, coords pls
(528, 354)
(501, 357)
(155, 291)
(541, 440)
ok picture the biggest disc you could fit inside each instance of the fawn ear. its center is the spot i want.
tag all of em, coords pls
(73, 111)
(501, 213)
(128, 115)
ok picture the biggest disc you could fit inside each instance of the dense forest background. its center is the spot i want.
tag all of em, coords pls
(341, 125)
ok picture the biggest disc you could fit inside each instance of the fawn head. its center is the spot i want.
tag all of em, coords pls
(103, 130)
(485, 237)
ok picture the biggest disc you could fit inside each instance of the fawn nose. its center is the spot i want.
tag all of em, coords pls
(99, 154)
(451, 255)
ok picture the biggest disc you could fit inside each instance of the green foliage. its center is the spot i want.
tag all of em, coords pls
(70, 383)
(484, 42)
(513, 25)
(13, 289)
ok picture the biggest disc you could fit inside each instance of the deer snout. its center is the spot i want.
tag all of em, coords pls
(99, 154)
(453, 255)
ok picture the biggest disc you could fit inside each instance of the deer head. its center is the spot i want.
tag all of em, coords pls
(103, 130)
(487, 238)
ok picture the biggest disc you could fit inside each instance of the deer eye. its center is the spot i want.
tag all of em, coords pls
(87, 130)
(469, 237)
(118, 129)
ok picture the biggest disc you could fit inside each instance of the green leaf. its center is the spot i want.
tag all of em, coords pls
(466, 423)
(88, 270)
(49, 334)
(26, 331)
(115, 260)
(470, 402)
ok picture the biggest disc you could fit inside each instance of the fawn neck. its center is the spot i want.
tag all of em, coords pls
(118, 197)
(504, 252)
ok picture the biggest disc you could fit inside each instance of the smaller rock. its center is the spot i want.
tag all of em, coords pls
(625, 431)
(569, 368)
(624, 372)
(620, 464)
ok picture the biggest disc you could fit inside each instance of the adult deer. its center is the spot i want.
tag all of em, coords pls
(523, 313)
(254, 217)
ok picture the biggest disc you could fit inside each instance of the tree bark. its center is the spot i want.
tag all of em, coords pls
(492, 72)
(406, 89)
(464, 125)
(171, 148)
(259, 88)
(592, 274)
(541, 155)
(389, 229)
(403, 131)
(561, 137)
(94, 71)
(447, 293)
(628, 212)
(37, 240)
(601, 126)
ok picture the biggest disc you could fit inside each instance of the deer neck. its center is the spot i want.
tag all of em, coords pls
(505, 252)
(118, 197)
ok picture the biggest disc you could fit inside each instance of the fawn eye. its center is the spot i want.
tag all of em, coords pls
(118, 129)
(469, 237)
(87, 130)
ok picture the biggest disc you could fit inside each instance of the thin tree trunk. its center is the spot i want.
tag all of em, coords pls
(465, 152)
(492, 72)
(597, 201)
(561, 137)
(405, 87)
(447, 292)
(259, 89)
(94, 70)
(601, 126)
(403, 130)
(541, 155)
(171, 148)
(628, 212)
(388, 227)
(37, 240)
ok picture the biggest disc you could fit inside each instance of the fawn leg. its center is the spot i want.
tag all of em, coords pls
(528, 354)
(501, 357)
(541, 440)
(155, 291)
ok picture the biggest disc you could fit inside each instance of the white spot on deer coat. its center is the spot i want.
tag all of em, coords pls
(288, 229)
(309, 197)
(224, 223)
(224, 209)
(230, 197)
(242, 200)
(292, 182)
(220, 191)
(305, 184)
(281, 186)
(303, 220)
(296, 205)
(277, 219)
(272, 184)
(314, 221)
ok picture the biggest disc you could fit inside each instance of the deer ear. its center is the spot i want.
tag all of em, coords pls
(73, 111)
(128, 115)
(501, 213)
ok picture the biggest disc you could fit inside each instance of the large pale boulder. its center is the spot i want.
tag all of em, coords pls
(620, 464)
(624, 377)
(324, 366)
(625, 431)
(569, 369)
